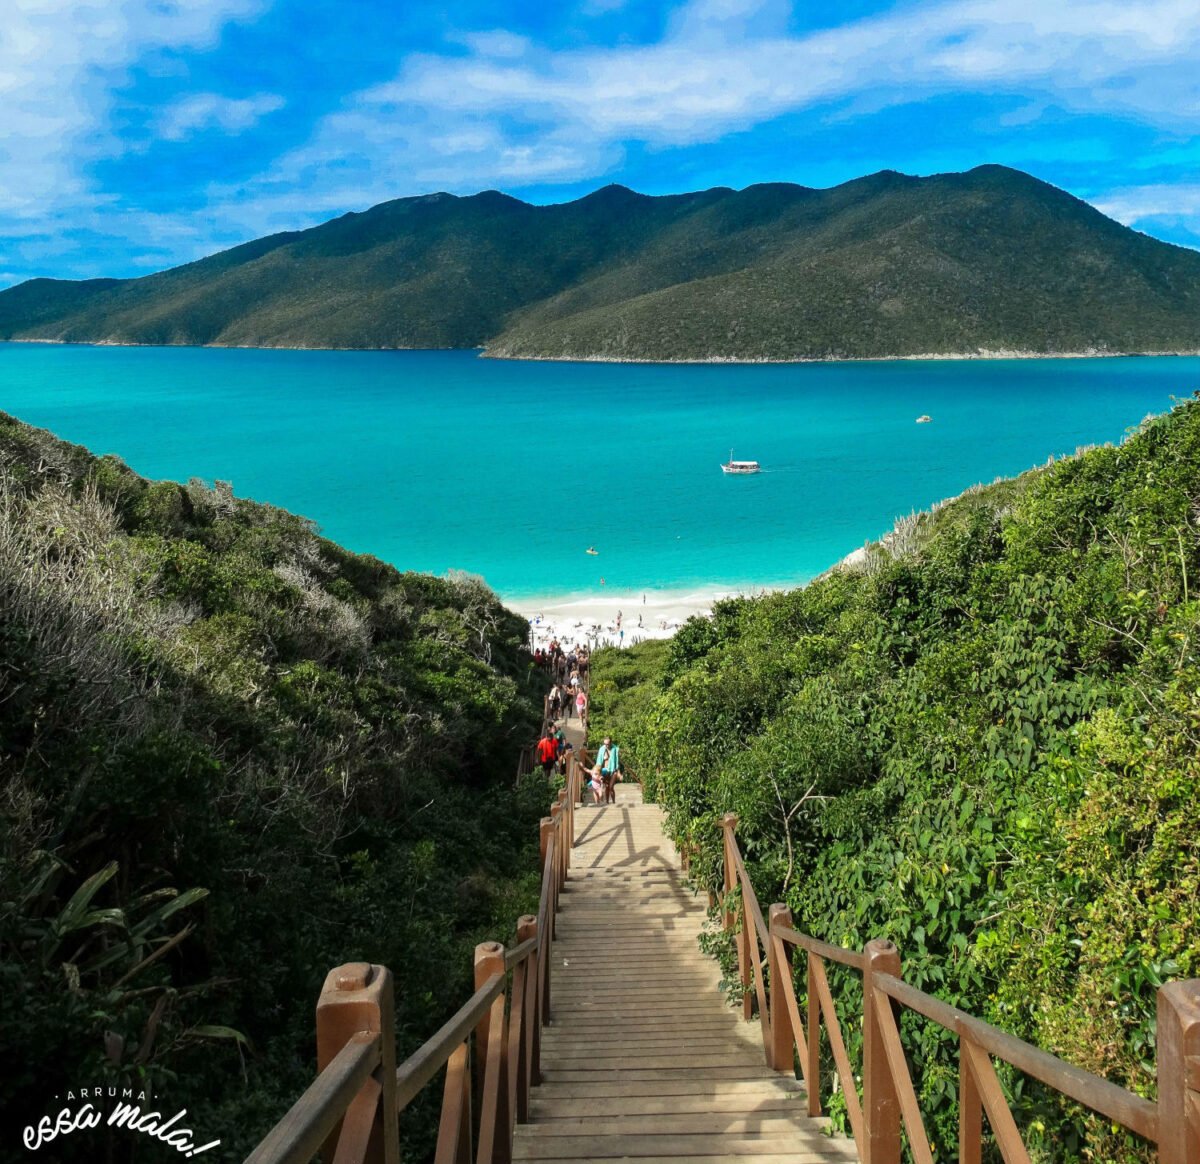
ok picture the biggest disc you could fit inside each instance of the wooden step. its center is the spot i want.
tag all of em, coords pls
(644, 1059)
(738, 1123)
(698, 1146)
(815, 1155)
(564, 1107)
(563, 1073)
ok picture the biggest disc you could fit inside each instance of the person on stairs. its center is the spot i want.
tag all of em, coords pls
(596, 784)
(547, 751)
(608, 764)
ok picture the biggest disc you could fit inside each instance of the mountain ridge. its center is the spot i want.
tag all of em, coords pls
(886, 265)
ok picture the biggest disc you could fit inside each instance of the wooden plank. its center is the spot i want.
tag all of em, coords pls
(631, 1004)
(604, 1041)
(563, 1107)
(1004, 1127)
(752, 1088)
(689, 1147)
(737, 1123)
(577, 1040)
(581, 1027)
(918, 1140)
(582, 969)
(645, 1059)
(703, 1013)
(838, 1047)
(658, 1059)
(738, 1071)
(819, 1155)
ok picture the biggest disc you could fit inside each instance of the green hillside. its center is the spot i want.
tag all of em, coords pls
(984, 744)
(233, 756)
(989, 260)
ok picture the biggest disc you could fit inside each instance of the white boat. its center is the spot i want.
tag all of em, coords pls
(732, 466)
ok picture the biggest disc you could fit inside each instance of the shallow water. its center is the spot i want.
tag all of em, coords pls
(511, 470)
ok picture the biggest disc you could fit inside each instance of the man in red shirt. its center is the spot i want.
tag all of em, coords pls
(547, 752)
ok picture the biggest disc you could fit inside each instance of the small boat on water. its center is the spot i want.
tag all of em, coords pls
(591, 550)
(924, 419)
(732, 466)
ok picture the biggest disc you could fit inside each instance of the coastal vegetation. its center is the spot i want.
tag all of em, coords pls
(980, 742)
(233, 756)
(987, 261)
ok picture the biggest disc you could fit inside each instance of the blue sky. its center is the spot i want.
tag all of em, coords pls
(137, 134)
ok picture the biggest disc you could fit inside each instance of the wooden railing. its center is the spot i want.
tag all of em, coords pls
(889, 1099)
(489, 1049)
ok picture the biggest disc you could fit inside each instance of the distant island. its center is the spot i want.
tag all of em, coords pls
(987, 262)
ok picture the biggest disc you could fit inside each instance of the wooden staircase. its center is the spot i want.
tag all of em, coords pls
(600, 1034)
(642, 1060)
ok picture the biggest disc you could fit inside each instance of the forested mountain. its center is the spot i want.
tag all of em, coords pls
(985, 261)
(983, 743)
(232, 757)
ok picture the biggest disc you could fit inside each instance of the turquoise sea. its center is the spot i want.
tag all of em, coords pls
(511, 470)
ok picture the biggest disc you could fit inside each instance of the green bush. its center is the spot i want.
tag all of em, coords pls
(233, 756)
(983, 745)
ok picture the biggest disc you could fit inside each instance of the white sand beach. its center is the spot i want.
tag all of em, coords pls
(591, 620)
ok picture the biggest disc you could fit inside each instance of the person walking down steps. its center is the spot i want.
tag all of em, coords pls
(608, 765)
(547, 751)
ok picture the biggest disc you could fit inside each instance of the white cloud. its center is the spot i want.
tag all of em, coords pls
(201, 111)
(1175, 208)
(496, 109)
(496, 42)
(60, 62)
(1134, 203)
(512, 112)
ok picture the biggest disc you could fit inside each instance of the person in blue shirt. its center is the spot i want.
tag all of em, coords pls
(608, 762)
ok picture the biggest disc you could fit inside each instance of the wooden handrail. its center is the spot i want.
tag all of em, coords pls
(753, 934)
(520, 952)
(299, 1135)
(1134, 1112)
(821, 949)
(1173, 1123)
(748, 895)
(350, 1111)
(425, 1062)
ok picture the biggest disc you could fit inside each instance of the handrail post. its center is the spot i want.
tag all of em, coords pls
(729, 825)
(545, 836)
(569, 785)
(881, 1102)
(547, 949)
(489, 960)
(530, 1034)
(812, 1074)
(1179, 1072)
(556, 818)
(493, 1094)
(782, 1035)
(564, 809)
(359, 997)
